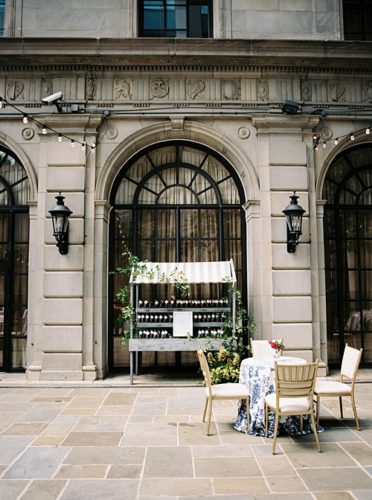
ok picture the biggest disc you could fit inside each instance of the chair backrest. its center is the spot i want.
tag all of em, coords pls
(292, 381)
(350, 362)
(261, 348)
(205, 370)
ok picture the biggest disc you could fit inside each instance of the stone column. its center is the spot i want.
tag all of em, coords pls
(63, 335)
(286, 277)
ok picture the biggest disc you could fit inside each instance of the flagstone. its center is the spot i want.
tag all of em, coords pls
(36, 463)
(92, 439)
(326, 479)
(239, 485)
(11, 489)
(95, 489)
(43, 489)
(12, 446)
(234, 467)
(81, 471)
(168, 462)
(177, 487)
(105, 455)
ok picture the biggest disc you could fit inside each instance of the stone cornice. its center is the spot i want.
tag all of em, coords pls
(48, 54)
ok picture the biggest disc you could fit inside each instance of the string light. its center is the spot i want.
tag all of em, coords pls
(351, 136)
(27, 117)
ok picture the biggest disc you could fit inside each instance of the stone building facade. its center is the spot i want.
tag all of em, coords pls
(138, 103)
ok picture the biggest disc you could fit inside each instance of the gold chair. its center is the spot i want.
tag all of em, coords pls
(294, 385)
(337, 388)
(220, 391)
(261, 348)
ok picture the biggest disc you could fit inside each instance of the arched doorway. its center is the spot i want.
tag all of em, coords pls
(175, 201)
(14, 241)
(348, 252)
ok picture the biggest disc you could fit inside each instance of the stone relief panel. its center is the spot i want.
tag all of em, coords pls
(195, 88)
(262, 90)
(306, 91)
(15, 90)
(336, 91)
(159, 87)
(122, 89)
(231, 90)
(91, 88)
(367, 91)
(46, 87)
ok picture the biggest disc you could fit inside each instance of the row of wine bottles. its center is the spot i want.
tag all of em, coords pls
(191, 303)
(217, 317)
(158, 333)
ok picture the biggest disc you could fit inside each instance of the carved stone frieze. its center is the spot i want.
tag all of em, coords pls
(122, 89)
(367, 91)
(159, 87)
(306, 90)
(46, 87)
(195, 87)
(231, 90)
(336, 91)
(262, 90)
(15, 90)
(91, 87)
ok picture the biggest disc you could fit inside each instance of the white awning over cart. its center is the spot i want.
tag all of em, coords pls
(187, 272)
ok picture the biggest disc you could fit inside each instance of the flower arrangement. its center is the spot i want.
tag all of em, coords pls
(277, 345)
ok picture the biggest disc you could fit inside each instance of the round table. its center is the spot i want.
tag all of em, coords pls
(257, 373)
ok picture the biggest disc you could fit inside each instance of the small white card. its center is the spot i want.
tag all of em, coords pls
(182, 324)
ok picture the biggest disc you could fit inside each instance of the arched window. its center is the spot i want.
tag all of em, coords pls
(14, 231)
(176, 202)
(348, 252)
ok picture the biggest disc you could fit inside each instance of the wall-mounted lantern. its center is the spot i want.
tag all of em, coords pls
(293, 214)
(60, 214)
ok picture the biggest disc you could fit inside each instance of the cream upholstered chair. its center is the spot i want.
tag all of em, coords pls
(220, 391)
(329, 388)
(260, 348)
(294, 394)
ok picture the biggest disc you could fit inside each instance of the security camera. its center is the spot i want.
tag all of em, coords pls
(50, 99)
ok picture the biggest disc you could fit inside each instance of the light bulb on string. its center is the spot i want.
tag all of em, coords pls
(25, 119)
(59, 138)
(336, 141)
(324, 145)
(44, 131)
(2, 103)
(93, 145)
(368, 130)
(352, 137)
(72, 143)
(83, 146)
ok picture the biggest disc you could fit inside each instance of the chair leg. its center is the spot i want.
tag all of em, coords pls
(317, 410)
(205, 408)
(315, 431)
(275, 430)
(248, 412)
(341, 409)
(355, 411)
(266, 419)
(209, 415)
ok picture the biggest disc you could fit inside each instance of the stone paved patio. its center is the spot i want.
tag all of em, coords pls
(115, 441)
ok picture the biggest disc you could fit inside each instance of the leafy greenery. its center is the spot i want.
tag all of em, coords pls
(225, 364)
(135, 268)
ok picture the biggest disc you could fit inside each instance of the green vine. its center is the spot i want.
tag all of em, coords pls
(136, 268)
(225, 363)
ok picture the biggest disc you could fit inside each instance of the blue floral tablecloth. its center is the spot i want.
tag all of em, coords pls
(258, 375)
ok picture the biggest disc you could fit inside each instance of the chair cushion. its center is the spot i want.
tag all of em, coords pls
(230, 390)
(289, 405)
(332, 387)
